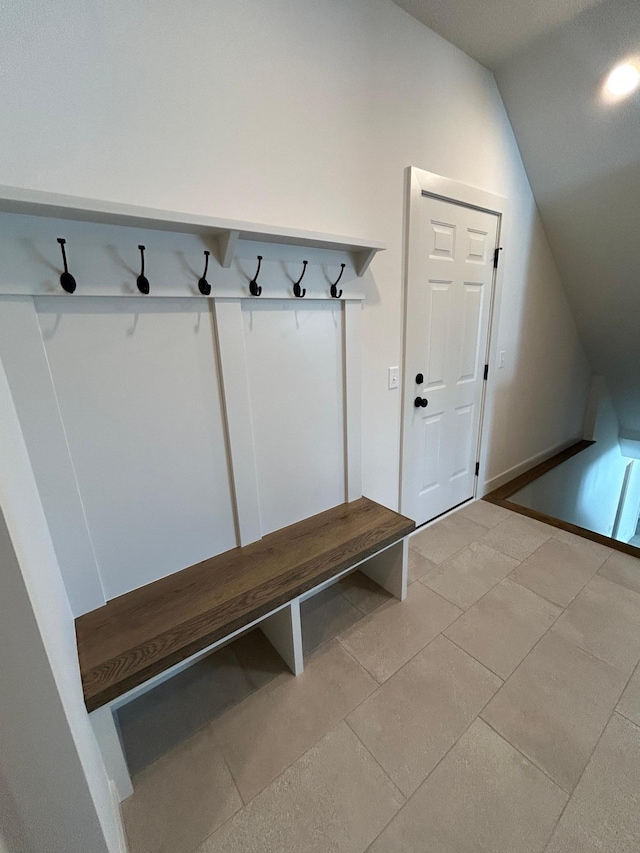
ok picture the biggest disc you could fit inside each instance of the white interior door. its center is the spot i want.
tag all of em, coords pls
(448, 305)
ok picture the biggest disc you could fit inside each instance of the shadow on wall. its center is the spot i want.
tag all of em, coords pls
(523, 402)
(590, 489)
(594, 228)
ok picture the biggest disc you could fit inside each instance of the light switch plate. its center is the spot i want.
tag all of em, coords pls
(501, 358)
(394, 378)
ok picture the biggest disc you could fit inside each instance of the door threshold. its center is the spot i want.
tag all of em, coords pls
(442, 515)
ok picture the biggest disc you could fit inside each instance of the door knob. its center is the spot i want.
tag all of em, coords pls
(420, 402)
(419, 379)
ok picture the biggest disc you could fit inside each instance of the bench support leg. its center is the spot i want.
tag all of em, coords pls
(284, 632)
(389, 568)
(105, 727)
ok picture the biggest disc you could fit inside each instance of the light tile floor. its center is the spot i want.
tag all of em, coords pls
(496, 710)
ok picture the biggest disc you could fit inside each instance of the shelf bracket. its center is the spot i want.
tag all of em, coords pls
(363, 259)
(227, 243)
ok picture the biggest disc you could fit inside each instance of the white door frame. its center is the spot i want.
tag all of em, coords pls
(418, 184)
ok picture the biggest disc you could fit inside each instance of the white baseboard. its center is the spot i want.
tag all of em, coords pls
(122, 838)
(516, 470)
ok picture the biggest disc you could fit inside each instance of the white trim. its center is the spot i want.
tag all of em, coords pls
(234, 383)
(284, 631)
(389, 568)
(352, 400)
(522, 467)
(23, 356)
(419, 183)
(622, 500)
(37, 203)
(105, 727)
(227, 243)
(121, 834)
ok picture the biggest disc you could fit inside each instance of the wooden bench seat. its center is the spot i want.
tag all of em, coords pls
(145, 632)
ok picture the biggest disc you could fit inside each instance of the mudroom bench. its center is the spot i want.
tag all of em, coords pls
(140, 639)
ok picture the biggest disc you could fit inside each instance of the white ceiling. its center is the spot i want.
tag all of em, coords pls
(582, 156)
(493, 30)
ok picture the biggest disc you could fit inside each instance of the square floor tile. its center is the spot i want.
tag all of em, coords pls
(604, 619)
(485, 513)
(324, 616)
(629, 705)
(181, 799)
(587, 545)
(555, 707)
(483, 797)
(446, 537)
(623, 569)
(362, 592)
(558, 570)
(418, 565)
(469, 574)
(518, 536)
(501, 628)
(334, 798)
(603, 815)
(261, 736)
(410, 722)
(393, 634)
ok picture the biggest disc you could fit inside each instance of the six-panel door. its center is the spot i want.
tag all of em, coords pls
(448, 306)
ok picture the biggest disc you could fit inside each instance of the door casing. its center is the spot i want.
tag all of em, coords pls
(418, 184)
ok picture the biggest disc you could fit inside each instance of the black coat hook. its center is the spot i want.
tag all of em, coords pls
(296, 284)
(67, 281)
(334, 286)
(142, 281)
(254, 287)
(203, 285)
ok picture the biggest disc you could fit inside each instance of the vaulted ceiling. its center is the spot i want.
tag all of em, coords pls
(581, 152)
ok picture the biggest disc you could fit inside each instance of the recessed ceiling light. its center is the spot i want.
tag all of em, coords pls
(623, 80)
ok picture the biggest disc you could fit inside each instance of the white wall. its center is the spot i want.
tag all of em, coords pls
(13, 833)
(585, 490)
(301, 113)
(48, 754)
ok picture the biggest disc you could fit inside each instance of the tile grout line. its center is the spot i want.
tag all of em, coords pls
(428, 643)
(477, 660)
(484, 595)
(380, 684)
(564, 606)
(624, 717)
(289, 766)
(311, 746)
(405, 798)
(528, 758)
(438, 763)
(587, 763)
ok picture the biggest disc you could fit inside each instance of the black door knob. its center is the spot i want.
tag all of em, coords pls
(419, 379)
(420, 402)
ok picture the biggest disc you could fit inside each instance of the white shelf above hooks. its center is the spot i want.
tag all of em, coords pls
(229, 232)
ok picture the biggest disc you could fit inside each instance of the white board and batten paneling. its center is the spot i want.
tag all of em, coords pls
(163, 431)
(137, 385)
(296, 390)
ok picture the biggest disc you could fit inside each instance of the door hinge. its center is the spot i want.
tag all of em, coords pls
(486, 372)
(477, 468)
(496, 257)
